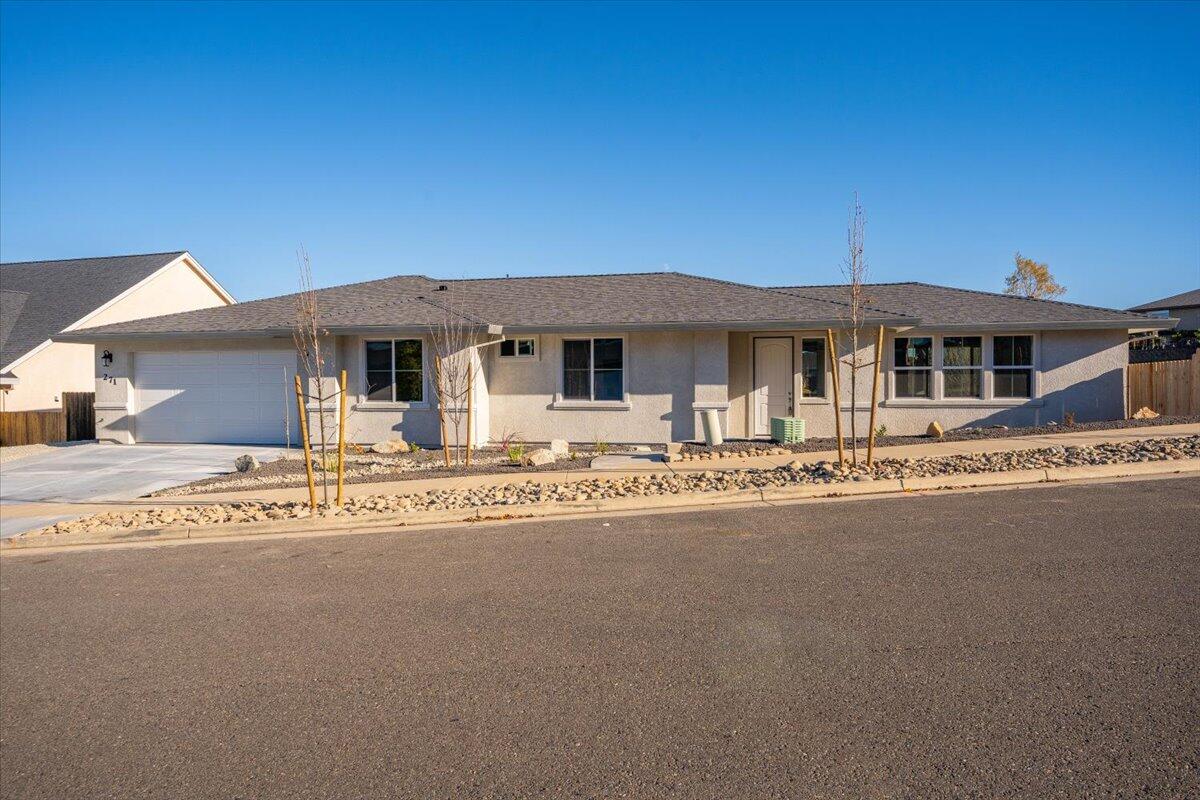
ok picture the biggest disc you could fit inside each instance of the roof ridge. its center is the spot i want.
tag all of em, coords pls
(91, 258)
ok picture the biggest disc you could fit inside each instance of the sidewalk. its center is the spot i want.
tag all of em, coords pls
(68, 510)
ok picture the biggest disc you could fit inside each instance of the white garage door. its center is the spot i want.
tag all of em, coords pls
(236, 397)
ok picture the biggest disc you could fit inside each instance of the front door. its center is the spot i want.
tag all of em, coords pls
(772, 381)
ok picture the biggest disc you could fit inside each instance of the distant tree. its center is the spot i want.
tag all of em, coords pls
(1032, 279)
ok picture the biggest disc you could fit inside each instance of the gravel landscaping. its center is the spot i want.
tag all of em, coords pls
(794, 474)
(761, 447)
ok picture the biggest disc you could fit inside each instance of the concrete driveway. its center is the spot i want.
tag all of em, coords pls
(93, 473)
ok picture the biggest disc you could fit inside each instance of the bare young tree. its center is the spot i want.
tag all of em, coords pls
(452, 337)
(308, 334)
(854, 268)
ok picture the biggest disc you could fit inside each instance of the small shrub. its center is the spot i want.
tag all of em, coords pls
(327, 464)
(1068, 418)
(881, 431)
(413, 447)
(516, 452)
(602, 446)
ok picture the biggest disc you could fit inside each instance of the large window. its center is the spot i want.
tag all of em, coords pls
(913, 366)
(395, 371)
(1012, 363)
(594, 369)
(812, 365)
(962, 366)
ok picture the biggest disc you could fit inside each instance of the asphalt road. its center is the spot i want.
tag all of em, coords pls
(1037, 643)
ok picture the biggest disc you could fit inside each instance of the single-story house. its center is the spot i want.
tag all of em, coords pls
(621, 358)
(39, 299)
(1184, 306)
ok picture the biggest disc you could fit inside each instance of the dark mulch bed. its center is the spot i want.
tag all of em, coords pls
(294, 467)
(957, 435)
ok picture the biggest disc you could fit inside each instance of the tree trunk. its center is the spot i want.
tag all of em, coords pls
(854, 396)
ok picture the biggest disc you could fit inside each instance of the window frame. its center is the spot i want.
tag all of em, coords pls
(802, 395)
(937, 394)
(981, 367)
(1031, 367)
(934, 358)
(365, 399)
(561, 401)
(517, 356)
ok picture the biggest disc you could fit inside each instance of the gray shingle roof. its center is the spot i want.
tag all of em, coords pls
(948, 307)
(654, 299)
(59, 293)
(1182, 300)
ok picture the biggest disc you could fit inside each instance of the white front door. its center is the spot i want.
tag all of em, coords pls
(772, 381)
(223, 396)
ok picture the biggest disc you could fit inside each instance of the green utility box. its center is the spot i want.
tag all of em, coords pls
(787, 430)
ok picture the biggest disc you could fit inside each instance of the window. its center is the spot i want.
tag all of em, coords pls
(518, 348)
(962, 366)
(1012, 362)
(395, 371)
(812, 368)
(594, 369)
(913, 366)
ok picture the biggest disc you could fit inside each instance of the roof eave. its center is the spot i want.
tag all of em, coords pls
(88, 336)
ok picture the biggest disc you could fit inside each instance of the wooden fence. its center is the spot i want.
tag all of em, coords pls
(1172, 388)
(80, 411)
(74, 422)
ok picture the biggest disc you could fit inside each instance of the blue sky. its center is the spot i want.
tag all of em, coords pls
(725, 140)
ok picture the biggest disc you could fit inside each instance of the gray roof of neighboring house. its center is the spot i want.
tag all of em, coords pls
(948, 307)
(1182, 300)
(60, 293)
(614, 301)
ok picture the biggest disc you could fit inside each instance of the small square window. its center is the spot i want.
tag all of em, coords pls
(518, 348)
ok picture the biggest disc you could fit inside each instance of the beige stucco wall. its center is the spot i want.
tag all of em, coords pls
(668, 376)
(1081, 372)
(659, 381)
(64, 367)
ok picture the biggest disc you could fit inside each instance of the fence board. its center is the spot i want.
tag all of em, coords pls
(32, 427)
(1172, 388)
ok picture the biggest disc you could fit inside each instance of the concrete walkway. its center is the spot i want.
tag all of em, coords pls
(31, 515)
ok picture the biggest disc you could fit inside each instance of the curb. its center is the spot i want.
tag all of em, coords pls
(698, 500)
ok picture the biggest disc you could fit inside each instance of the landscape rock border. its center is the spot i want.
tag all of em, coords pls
(638, 490)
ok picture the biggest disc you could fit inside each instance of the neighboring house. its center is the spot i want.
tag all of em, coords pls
(39, 299)
(1184, 307)
(619, 358)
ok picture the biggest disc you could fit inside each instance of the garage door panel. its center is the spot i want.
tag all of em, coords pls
(214, 396)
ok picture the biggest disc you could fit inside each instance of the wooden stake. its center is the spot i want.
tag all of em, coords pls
(837, 392)
(302, 409)
(341, 438)
(470, 382)
(437, 371)
(875, 395)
